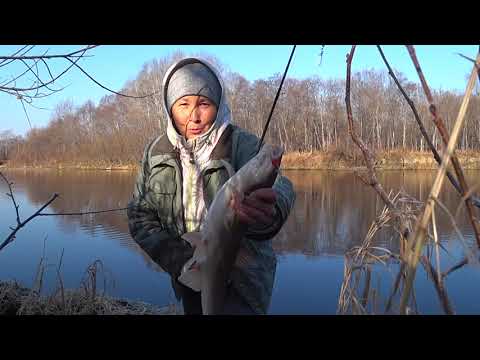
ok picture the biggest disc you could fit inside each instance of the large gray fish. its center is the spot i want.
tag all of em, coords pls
(217, 244)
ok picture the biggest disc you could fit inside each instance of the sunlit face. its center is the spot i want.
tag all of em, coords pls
(193, 115)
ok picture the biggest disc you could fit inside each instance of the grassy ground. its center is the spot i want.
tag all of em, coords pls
(18, 300)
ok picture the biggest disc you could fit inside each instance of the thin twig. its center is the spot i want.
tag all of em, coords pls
(11, 196)
(421, 227)
(400, 275)
(15, 53)
(5, 62)
(25, 111)
(439, 286)
(29, 68)
(437, 120)
(110, 90)
(437, 242)
(47, 83)
(11, 237)
(434, 151)
(367, 154)
(461, 264)
(60, 281)
(83, 213)
(48, 68)
(469, 257)
(32, 57)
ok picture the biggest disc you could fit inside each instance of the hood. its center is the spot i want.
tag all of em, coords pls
(210, 138)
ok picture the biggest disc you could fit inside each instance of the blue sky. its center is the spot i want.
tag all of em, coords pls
(113, 65)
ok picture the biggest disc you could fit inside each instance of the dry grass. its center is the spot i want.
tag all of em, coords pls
(86, 300)
(387, 160)
(332, 159)
(81, 165)
(357, 295)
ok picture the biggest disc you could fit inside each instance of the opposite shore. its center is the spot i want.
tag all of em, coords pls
(335, 160)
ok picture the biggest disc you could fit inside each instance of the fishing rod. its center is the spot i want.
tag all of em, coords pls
(275, 102)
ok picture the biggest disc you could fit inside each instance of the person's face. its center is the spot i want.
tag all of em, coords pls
(193, 115)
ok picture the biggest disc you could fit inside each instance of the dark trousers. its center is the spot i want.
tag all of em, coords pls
(192, 302)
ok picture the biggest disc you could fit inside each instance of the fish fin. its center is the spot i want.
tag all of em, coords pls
(193, 238)
(192, 278)
(191, 272)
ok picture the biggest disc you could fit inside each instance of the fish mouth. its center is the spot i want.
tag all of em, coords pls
(277, 158)
(276, 162)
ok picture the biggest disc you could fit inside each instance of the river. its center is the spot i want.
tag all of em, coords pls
(332, 213)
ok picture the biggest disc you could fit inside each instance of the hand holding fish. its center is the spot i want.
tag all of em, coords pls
(218, 244)
(257, 208)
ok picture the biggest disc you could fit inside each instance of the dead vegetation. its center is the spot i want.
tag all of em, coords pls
(86, 300)
(414, 223)
(385, 160)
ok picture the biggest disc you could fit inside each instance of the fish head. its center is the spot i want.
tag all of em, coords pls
(262, 170)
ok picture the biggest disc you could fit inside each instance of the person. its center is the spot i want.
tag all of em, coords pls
(182, 170)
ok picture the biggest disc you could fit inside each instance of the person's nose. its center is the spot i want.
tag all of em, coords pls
(195, 116)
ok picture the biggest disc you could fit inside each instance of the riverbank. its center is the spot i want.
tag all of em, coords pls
(386, 160)
(18, 300)
(93, 165)
(318, 160)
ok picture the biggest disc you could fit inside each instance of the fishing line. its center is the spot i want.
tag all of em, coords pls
(275, 101)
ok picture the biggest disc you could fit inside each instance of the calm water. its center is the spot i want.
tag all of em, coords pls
(332, 213)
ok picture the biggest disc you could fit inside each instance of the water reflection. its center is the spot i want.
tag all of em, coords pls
(332, 213)
(334, 210)
(83, 191)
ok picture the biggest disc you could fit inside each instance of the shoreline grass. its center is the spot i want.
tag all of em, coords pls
(316, 160)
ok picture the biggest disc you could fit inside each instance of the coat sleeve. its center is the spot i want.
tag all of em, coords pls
(247, 144)
(168, 250)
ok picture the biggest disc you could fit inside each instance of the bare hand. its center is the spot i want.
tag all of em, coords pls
(257, 208)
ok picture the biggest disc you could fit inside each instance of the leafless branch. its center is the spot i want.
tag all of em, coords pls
(21, 224)
(400, 275)
(10, 194)
(437, 244)
(110, 90)
(475, 63)
(33, 57)
(470, 257)
(47, 83)
(15, 53)
(416, 242)
(11, 237)
(4, 85)
(439, 286)
(367, 154)
(5, 62)
(72, 57)
(437, 120)
(25, 111)
(29, 68)
(83, 213)
(462, 263)
(48, 68)
(434, 151)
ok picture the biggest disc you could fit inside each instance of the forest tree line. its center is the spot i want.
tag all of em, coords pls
(310, 116)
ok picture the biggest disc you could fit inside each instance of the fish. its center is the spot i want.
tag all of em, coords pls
(217, 245)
